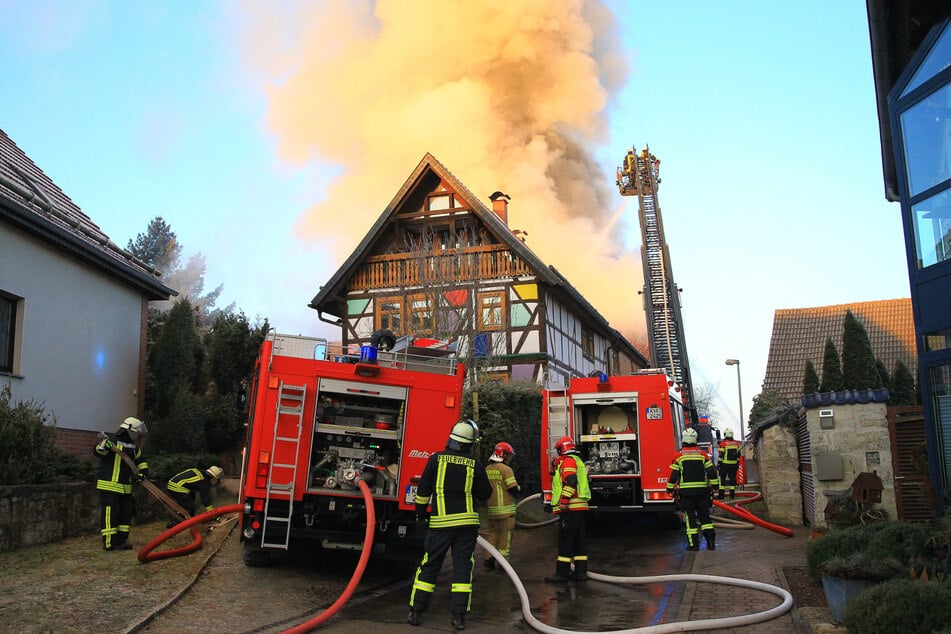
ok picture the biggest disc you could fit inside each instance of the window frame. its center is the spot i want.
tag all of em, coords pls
(10, 330)
(486, 305)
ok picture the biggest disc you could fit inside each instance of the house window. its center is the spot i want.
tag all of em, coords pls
(389, 314)
(587, 343)
(8, 329)
(439, 202)
(421, 315)
(492, 310)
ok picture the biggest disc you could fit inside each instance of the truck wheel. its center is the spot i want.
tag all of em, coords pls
(384, 339)
(256, 558)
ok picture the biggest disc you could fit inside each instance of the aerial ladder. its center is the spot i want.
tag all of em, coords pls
(639, 176)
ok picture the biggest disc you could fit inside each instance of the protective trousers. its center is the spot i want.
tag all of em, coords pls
(572, 545)
(728, 478)
(498, 532)
(115, 517)
(462, 541)
(696, 506)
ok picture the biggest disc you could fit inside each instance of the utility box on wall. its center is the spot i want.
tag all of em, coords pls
(826, 419)
(829, 466)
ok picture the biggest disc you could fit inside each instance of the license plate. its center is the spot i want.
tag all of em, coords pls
(654, 413)
(410, 497)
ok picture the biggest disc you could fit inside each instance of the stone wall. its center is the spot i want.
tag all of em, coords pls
(778, 464)
(45, 513)
(855, 438)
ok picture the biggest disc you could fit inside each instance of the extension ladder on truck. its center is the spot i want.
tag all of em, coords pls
(557, 416)
(288, 424)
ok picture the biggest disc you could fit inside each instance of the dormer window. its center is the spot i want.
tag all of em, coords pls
(439, 202)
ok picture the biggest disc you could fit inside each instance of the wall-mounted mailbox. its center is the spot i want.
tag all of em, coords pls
(826, 419)
(867, 488)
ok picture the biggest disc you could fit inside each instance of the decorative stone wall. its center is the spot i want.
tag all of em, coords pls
(858, 435)
(778, 464)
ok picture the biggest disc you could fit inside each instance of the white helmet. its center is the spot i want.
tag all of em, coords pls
(465, 432)
(728, 433)
(135, 427)
(690, 436)
(214, 472)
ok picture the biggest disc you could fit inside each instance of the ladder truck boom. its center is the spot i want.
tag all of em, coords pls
(639, 175)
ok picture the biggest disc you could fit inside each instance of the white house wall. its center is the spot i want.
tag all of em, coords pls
(80, 338)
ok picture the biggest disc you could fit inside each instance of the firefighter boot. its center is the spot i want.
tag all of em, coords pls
(458, 619)
(693, 542)
(721, 494)
(732, 494)
(709, 536)
(581, 571)
(415, 617)
(562, 573)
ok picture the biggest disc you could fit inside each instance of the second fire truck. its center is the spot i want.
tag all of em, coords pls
(626, 428)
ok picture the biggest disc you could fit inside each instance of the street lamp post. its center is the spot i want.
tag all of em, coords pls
(739, 390)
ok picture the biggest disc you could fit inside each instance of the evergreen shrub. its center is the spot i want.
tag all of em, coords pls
(900, 605)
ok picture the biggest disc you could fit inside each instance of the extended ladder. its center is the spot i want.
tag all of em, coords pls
(288, 426)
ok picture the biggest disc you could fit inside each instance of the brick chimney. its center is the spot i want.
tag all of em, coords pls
(500, 205)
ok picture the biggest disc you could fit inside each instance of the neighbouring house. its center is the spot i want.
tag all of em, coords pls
(799, 335)
(911, 62)
(439, 263)
(808, 458)
(73, 307)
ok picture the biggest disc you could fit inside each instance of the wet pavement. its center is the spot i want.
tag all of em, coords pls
(597, 606)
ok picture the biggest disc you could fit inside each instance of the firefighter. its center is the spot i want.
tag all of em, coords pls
(114, 481)
(501, 505)
(729, 463)
(693, 482)
(451, 482)
(183, 487)
(569, 500)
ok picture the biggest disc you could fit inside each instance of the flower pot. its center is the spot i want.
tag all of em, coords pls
(840, 591)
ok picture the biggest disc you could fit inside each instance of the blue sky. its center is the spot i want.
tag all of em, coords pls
(231, 120)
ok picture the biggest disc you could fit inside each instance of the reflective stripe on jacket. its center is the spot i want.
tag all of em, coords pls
(192, 481)
(570, 484)
(502, 478)
(729, 451)
(114, 474)
(451, 482)
(691, 470)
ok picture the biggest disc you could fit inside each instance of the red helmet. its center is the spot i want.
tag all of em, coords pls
(503, 449)
(565, 445)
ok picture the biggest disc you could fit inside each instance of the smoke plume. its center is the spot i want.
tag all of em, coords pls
(509, 95)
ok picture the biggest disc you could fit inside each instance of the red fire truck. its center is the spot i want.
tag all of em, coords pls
(626, 428)
(320, 421)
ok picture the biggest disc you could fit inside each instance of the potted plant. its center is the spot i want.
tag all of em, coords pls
(850, 560)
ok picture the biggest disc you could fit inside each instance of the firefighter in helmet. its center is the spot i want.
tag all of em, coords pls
(115, 478)
(451, 482)
(692, 483)
(729, 463)
(184, 486)
(570, 493)
(501, 506)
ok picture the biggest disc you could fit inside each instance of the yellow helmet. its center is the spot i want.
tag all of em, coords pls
(728, 433)
(214, 472)
(690, 436)
(465, 432)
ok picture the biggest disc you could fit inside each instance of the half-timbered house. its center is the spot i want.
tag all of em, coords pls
(440, 264)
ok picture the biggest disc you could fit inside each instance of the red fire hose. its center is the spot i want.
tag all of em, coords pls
(146, 555)
(749, 517)
(341, 601)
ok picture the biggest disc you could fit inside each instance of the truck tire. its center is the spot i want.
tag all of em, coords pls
(383, 339)
(255, 557)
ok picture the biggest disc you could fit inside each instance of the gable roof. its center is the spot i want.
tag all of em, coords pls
(32, 202)
(332, 295)
(799, 335)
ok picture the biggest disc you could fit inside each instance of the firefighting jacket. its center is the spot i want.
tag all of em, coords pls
(729, 451)
(114, 474)
(570, 484)
(501, 503)
(691, 470)
(191, 481)
(451, 482)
